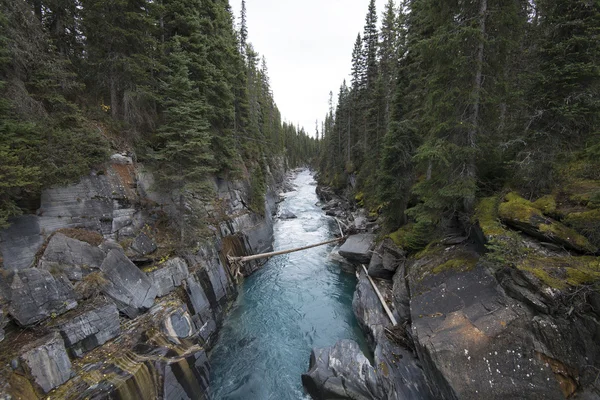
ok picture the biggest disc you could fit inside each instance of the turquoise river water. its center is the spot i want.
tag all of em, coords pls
(295, 302)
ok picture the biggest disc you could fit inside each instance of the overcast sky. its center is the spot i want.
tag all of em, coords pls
(308, 46)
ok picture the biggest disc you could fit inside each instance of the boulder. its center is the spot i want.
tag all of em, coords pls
(523, 215)
(131, 289)
(36, 295)
(169, 276)
(121, 159)
(368, 310)
(344, 264)
(401, 295)
(48, 362)
(394, 361)
(341, 372)
(287, 214)
(143, 245)
(92, 326)
(357, 248)
(73, 257)
(386, 259)
(471, 337)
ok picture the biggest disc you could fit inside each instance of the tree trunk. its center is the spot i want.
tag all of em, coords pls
(476, 96)
(114, 97)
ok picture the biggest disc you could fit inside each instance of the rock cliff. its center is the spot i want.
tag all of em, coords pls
(509, 312)
(98, 299)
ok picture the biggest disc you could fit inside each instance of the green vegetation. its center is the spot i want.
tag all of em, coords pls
(412, 237)
(516, 208)
(463, 100)
(486, 214)
(562, 272)
(172, 80)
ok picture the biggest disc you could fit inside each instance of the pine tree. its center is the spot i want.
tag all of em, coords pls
(243, 29)
(564, 98)
(183, 158)
(120, 39)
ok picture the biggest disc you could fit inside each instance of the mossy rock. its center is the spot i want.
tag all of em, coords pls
(360, 199)
(586, 223)
(486, 215)
(412, 237)
(563, 272)
(437, 260)
(523, 215)
(584, 192)
(546, 204)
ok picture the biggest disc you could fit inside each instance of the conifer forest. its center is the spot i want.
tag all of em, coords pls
(173, 81)
(167, 232)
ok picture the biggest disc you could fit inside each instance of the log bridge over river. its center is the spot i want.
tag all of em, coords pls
(238, 261)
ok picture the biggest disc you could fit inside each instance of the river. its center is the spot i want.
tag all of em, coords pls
(295, 302)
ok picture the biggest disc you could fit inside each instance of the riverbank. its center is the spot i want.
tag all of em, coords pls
(100, 297)
(295, 302)
(471, 324)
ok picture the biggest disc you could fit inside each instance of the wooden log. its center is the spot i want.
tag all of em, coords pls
(277, 253)
(381, 299)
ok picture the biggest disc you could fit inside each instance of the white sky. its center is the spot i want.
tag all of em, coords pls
(308, 46)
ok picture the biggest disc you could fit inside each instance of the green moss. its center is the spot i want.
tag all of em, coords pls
(546, 204)
(486, 214)
(587, 223)
(412, 237)
(432, 249)
(518, 209)
(458, 264)
(558, 230)
(360, 199)
(584, 192)
(563, 272)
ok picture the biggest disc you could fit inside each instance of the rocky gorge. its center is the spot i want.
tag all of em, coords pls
(99, 300)
(507, 311)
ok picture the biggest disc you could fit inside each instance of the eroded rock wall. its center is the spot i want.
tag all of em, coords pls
(97, 298)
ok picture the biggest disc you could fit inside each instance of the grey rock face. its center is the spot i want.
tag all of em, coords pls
(341, 372)
(93, 326)
(143, 245)
(20, 241)
(128, 286)
(179, 386)
(344, 264)
(3, 322)
(357, 248)
(48, 362)
(399, 373)
(401, 295)
(386, 259)
(92, 203)
(121, 159)
(368, 310)
(202, 314)
(73, 257)
(472, 338)
(169, 276)
(178, 324)
(35, 295)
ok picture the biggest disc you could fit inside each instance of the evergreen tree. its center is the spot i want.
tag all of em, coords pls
(183, 156)
(564, 98)
(120, 63)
